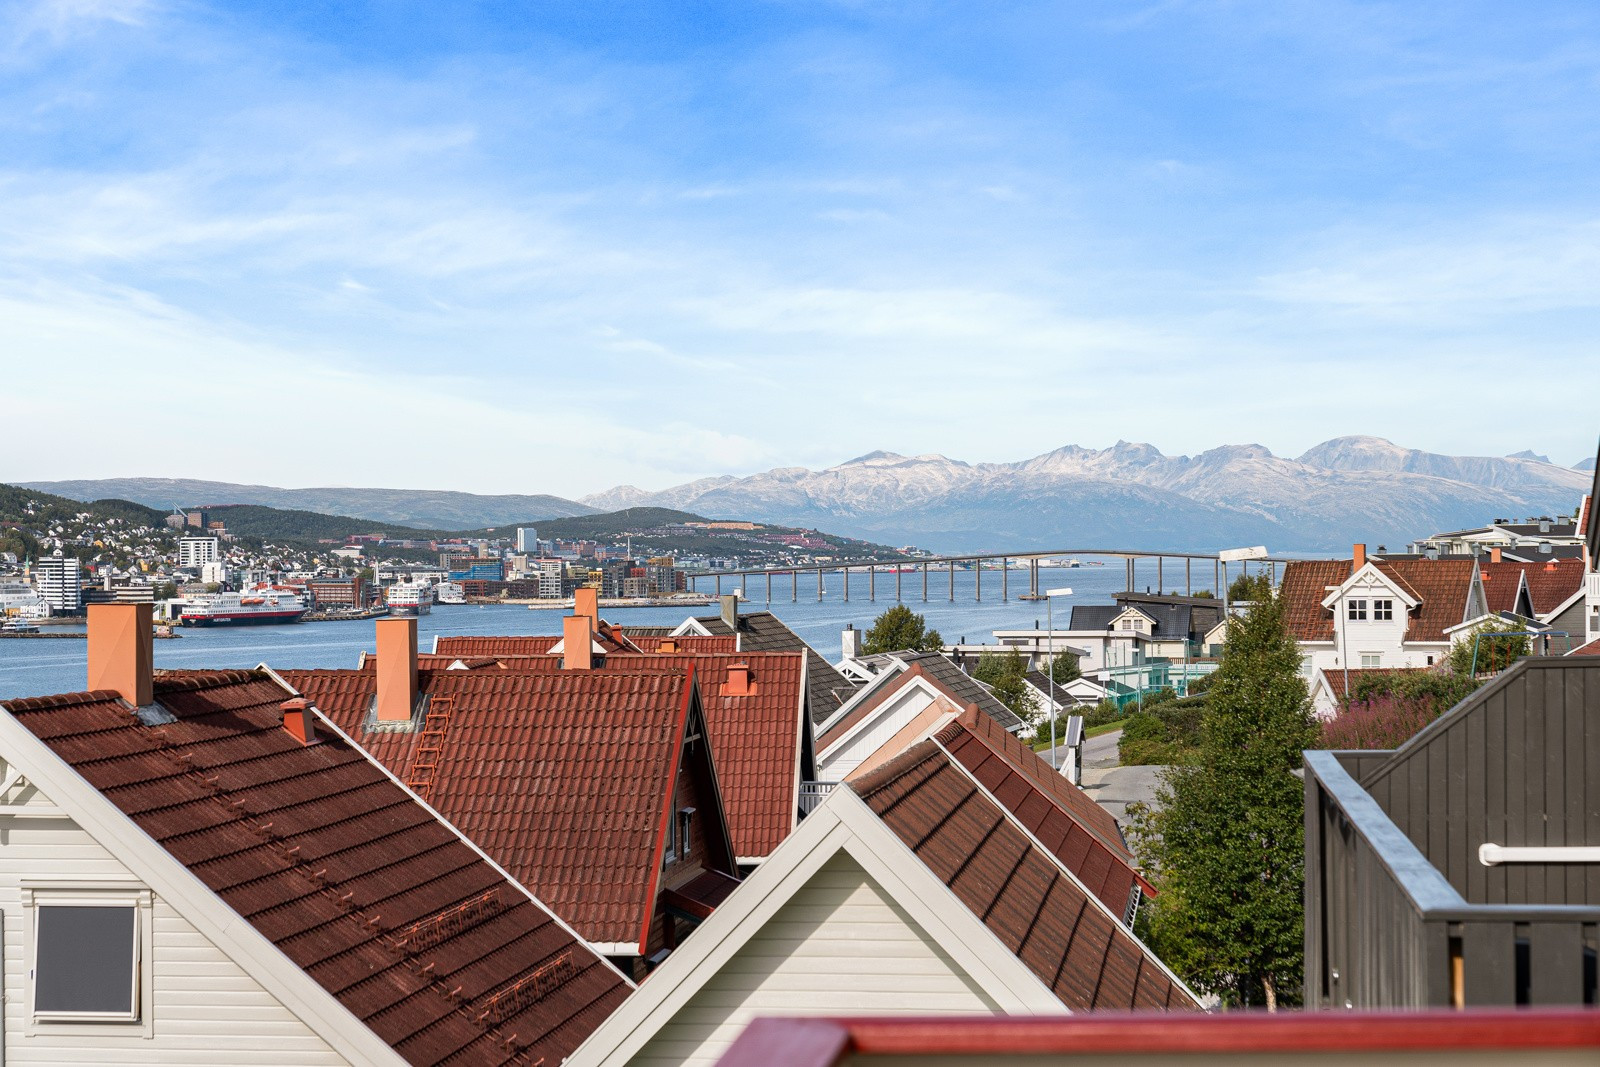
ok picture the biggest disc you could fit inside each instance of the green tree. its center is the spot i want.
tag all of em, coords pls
(1003, 672)
(165, 591)
(1495, 651)
(1064, 668)
(1225, 838)
(900, 629)
(1249, 588)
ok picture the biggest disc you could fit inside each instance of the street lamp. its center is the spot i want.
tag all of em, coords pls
(1050, 663)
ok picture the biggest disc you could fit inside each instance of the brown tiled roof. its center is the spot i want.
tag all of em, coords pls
(564, 777)
(1501, 583)
(1039, 912)
(469, 645)
(361, 886)
(762, 631)
(1441, 585)
(1079, 832)
(1553, 583)
(755, 739)
(1591, 649)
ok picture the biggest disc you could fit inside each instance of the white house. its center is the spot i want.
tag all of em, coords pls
(1376, 614)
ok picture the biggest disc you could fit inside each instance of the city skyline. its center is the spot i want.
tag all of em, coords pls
(658, 243)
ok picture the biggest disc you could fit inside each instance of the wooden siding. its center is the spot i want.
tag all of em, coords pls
(840, 945)
(1519, 765)
(204, 1009)
(884, 722)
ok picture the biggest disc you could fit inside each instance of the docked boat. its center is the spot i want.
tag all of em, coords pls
(409, 599)
(256, 607)
(449, 593)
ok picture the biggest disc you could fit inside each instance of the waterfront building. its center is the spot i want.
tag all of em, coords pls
(350, 592)
(60, 583)
(21, 600)
(195, 551)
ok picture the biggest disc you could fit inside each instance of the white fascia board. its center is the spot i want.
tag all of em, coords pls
(199, 905)
(841, 823)
(895, 700)
(1369, 572)
(1565, 605)
(1489, 617)
(887, 678)
(690, 627)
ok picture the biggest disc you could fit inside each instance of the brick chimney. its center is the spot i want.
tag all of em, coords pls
(586, 602)
(577, 643)
(297, 719)
(1494, 554)
(122, 651)
(397, 670)
(738, 683)
(730, 611)
(1358, 554)
(668, 646)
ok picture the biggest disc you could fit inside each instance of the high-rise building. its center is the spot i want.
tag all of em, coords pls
(197, 551)
(60, 581)
(527, 539)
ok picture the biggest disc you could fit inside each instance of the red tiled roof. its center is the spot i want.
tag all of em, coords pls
(361, 886)
(564, 777)
(1501, 583)
(726, 643)
(1336, 677)
(1442, 586)
(755, 739)
(1043, 916)
(1591, 649)
(468, 645)
(1080, 833)
(1552, 584)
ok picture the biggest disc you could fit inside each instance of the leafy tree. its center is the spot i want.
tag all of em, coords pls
(1003, 672)
(1225, 839)
(1064, 668)
(1249, 588)
(165, 591)
(899, 629)
(1495, 652)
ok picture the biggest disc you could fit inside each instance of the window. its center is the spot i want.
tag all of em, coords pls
(685, 848)
(89, 951)
(669, 854)
(1371, 659)
(1382, 610)
(1358, 610)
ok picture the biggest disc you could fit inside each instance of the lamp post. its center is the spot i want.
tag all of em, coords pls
(1050, 663)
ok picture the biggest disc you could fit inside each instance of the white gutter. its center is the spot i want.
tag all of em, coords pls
(1491, 854)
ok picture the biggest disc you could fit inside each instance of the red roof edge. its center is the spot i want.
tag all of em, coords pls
(824, 1042)
(667, 814)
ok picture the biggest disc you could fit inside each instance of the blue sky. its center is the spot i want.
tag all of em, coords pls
(555, 246)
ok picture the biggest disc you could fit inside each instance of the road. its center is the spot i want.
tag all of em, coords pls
(1112, 785)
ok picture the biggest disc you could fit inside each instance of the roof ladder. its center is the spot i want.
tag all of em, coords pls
(430, 746)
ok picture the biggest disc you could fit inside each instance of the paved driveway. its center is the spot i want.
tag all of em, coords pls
(1112, 785)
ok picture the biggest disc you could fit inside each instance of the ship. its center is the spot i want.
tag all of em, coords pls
(449, 593)
(409, 599)
(262, 606)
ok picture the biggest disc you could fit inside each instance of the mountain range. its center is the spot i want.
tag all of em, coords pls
(428, 509)
(1127, 496)
(1131, 495)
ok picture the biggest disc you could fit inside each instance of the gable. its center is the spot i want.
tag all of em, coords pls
(839, 944)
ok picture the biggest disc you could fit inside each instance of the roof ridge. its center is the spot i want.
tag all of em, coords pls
(61, 700)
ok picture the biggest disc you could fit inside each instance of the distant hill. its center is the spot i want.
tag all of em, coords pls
(291, 524)
(1132, 496)
(427, 509)
(15, 499)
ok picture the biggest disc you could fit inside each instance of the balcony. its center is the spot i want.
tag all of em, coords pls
(813, 794)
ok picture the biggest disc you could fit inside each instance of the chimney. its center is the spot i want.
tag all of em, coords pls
(1359, 557)
(852, 642)
(1494, 554)
(297, 720)
(122, 651)
(730, 611)
(586, 604)
(397, 670)
(669, 646)
(577, 643)
(738, 683)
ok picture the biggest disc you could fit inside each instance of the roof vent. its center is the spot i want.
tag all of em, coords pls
(298, 721)
(738, 683)
(1545, 548)
(1544, 525)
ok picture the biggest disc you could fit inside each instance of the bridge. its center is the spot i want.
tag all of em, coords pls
(976, 562)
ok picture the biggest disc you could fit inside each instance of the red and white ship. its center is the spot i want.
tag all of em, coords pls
(254, 607)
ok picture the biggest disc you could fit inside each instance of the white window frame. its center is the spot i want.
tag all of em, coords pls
(1383, 611)
(1356, 610)
(1375, 657)
(138, 1022)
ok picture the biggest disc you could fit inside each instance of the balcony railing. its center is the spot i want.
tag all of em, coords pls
(814, 793)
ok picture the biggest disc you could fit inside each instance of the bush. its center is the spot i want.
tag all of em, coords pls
(1496, 651)
(1161, 731)
(1382, 723)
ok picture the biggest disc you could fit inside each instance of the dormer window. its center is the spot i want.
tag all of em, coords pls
(1357, 610)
